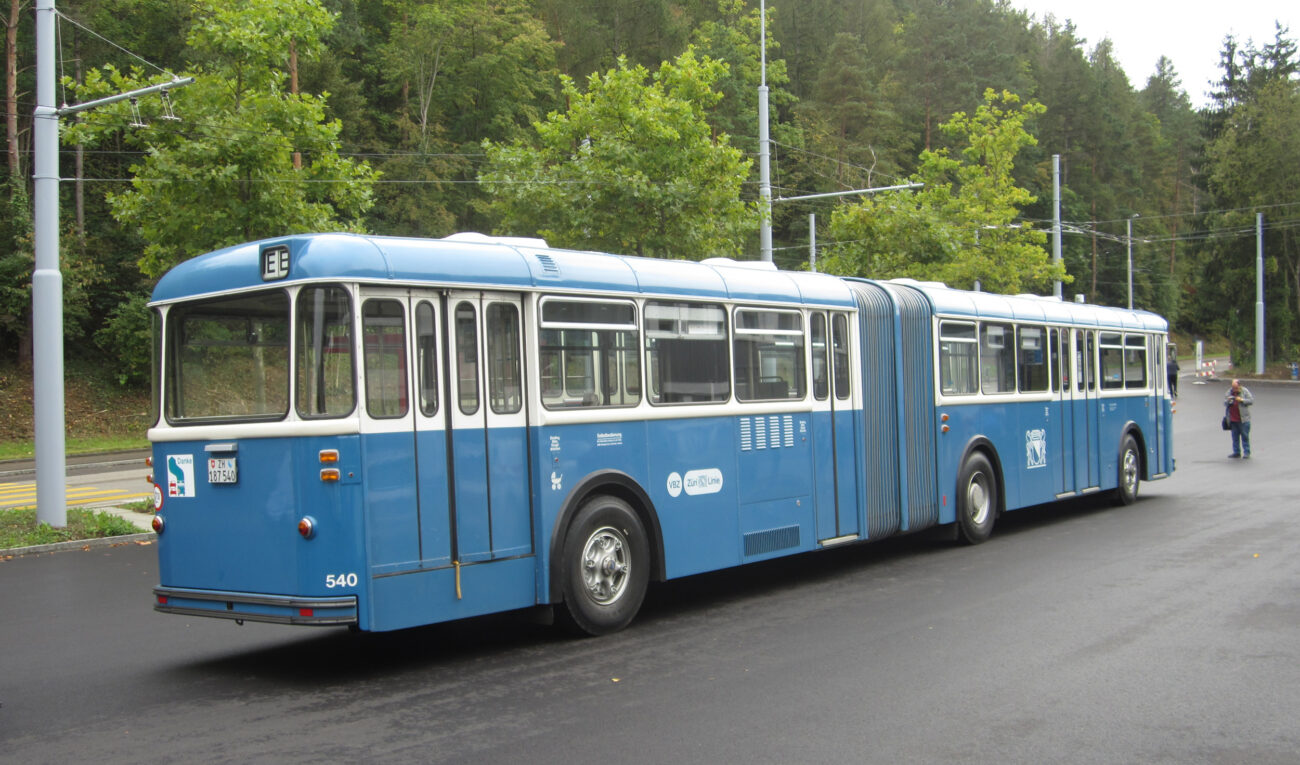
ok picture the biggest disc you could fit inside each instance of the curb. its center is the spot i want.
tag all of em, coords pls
(79, 544)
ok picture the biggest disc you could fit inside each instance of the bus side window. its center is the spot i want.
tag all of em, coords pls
(997, 358)
(840, 355)
(589, 353)
(1135, 361)
(820, 376)
(467, 357)
(383, 328)
(768, 354)
(958, 358)
(323, 347)
(1112, 360)
(686, 353)
(1031, 358)
(426, 348)
(505, 384)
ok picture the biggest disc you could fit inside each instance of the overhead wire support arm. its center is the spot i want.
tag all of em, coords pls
(161, 87)
(900, 187)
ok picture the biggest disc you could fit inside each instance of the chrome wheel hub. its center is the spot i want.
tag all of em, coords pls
(606, 565)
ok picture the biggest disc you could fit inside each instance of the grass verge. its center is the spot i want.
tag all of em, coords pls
(18, 527)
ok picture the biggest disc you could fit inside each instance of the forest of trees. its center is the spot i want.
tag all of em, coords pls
(631, 126)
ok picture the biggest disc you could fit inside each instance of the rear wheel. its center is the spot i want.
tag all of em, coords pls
(977, 499)
(606, 566)
(1130, 472)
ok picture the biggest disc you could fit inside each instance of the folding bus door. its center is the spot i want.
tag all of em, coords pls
(1087, 408)
(489, 464)
(1063, 387)
(833, 421)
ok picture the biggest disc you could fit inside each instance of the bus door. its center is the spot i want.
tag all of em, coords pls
(1159, 386)
(490, 509)
(833, 463)
(1087, 408)
(1063, 387)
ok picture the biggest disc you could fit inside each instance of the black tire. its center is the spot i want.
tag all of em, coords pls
(1129, 471)
(606, 566)
(977, 499)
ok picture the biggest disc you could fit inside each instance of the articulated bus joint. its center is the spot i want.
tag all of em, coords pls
(243, 606)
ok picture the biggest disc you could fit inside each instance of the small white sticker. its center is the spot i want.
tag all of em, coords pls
(180, 475)
(609, 439)
(557, 480)
(555, 443)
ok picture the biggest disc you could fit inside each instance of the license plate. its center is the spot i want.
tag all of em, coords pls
(222, 470)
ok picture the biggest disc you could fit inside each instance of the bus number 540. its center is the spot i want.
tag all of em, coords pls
(340, 580)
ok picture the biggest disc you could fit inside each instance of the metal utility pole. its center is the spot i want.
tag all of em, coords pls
(47, 280)
(1259, 293)
(1129, 240)
(812, 242)
(1056, 220)
(47, 286)
(764, 169)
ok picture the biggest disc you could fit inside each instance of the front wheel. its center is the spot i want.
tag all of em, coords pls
(1130, 472)
(606, 566)
(977, 499)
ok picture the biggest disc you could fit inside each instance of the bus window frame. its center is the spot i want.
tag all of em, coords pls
(597, 355)
(797, 376)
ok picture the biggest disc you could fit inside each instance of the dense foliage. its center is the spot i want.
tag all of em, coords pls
(631, 125)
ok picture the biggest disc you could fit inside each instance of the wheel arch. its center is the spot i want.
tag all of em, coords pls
(985, 446)
(1131, 428)
(616, 484)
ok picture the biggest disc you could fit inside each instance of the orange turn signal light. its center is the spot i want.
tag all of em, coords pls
(329, 456)
(329, 474)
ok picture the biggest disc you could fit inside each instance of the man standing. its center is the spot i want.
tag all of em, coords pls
(1238, 403)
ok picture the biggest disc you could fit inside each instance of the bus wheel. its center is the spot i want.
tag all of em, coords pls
(606, 566)
(1130, 472)
(977, 499)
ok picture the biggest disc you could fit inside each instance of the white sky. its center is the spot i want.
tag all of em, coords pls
(1189, 32)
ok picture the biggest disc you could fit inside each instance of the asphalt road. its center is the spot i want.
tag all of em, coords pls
(1164, 632)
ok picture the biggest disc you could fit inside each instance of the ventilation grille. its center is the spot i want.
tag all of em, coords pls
(772, 432)
(549, 265)
(771, 540)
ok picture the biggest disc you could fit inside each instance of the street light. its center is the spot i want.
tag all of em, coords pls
(1129, 222)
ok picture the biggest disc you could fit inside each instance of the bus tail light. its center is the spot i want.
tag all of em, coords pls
(148, 461)
(307, 527)
(158, 524)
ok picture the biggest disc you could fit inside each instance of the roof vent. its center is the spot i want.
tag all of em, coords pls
(549, 266)
(513, 241)
(755, 265)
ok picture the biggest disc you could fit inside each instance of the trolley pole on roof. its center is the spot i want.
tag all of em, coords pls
(47, 280)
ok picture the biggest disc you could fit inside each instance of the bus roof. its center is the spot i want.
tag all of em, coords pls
(489, 262)
(1036, 308)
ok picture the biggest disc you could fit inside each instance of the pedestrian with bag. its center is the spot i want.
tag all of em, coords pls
(1237, 404)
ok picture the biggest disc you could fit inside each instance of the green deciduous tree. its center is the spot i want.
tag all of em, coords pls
(961, 226)
(225, 172)
(631, 166)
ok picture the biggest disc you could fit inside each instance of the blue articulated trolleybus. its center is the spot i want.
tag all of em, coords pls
(385, 432)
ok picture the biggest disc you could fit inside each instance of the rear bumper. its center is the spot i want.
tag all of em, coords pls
(253, 607)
